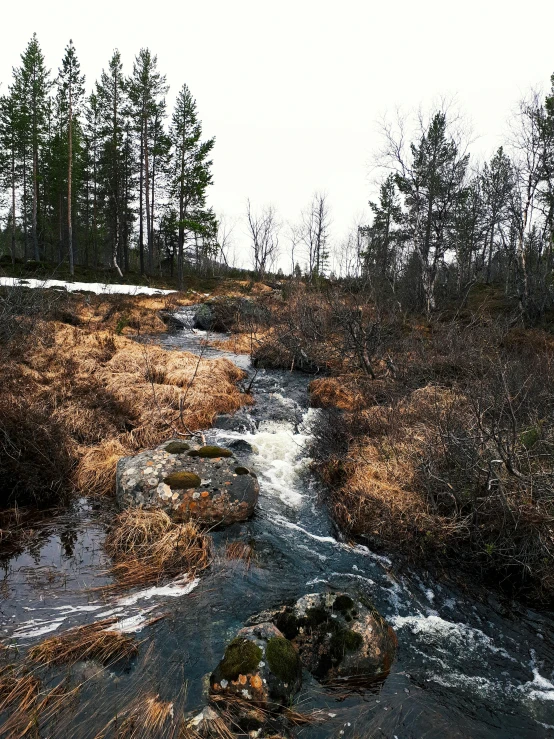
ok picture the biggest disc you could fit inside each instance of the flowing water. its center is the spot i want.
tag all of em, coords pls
(465, 668)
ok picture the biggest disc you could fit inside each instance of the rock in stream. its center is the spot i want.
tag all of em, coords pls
(188, 482)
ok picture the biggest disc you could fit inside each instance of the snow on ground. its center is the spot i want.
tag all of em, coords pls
(95, 287)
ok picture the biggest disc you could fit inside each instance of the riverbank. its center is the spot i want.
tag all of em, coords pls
(79, 390)
(436, 437)
(464, 667)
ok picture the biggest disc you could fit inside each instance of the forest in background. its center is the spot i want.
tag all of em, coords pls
(111, 181)
(103, 180)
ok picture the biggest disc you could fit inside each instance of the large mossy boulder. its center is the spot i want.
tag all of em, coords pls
(188, 482)
(230, 314)
(260, 667)
(338, 637)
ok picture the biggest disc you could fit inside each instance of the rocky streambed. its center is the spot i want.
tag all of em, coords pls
(463, 666)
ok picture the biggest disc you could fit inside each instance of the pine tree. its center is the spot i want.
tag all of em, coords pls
(190, 174)
(32, 82)
(111, 93)
(72, 91)
(8, 164)
(431, 184)
(146, 90)
(92, 138)
(497, 183)
(382, 238)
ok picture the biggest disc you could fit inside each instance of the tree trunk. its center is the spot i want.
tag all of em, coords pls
(13, 203)
(69, 183)
(141, 215)
(147, 195)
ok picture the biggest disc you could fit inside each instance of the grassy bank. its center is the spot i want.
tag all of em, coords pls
(79, 391)
(436, 437)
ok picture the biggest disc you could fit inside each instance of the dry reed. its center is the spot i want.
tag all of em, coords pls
(26, 704)
(147, 546)
(93, 641)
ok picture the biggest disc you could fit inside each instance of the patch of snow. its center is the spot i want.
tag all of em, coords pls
(94, 287)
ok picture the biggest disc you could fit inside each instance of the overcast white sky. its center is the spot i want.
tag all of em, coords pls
(293, 90)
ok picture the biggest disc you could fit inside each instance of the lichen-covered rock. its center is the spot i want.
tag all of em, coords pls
(189, 482)
(337, 636)
(260, 666)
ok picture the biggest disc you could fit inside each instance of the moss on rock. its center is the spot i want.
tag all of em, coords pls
(287, 623)
(282, 659)
(345, 640)
(177, 447)
(316, 616)
(182, 480)
(242, 656)
(210, 452)
(343, 603)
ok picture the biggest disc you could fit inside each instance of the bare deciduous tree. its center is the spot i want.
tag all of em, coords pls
(313, 233)
(263, 229)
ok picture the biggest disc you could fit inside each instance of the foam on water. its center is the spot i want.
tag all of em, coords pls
(174, 589)
(458, 636)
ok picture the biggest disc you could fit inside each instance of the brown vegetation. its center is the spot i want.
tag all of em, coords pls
(240, 550)
(147, 546)
(436, 437)
(93, 641)
(24, 701)
(78, 394)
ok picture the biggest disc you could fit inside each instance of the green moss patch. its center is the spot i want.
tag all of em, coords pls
(242, 471)
(177, 447)
(242, 656)
(316, 616)
(282, 659)
(210, 452)
(344, 641)
(287, 623)
(343, 603)
(182, 480)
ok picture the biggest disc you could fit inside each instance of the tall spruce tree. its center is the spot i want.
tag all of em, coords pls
(147, 88)
(72, 91)
(190, 174)
(9, 148)
(33, 84)
(111, 93)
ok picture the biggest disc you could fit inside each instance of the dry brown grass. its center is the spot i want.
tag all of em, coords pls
(148, 717)
(93, 395)
(332, 392)
(147, 547)
(242, 343)
(93, 641)
(25, 703)
(382, 495)
(241, 550)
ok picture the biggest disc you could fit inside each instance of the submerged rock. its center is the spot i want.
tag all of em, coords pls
(188, 482)
(338, 636)
(260, 667)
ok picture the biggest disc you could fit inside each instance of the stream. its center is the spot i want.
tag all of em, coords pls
(464, 668)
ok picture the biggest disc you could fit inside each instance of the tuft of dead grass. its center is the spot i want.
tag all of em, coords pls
(148, 717)
(333, 392)
(240, 550)
(93, 641)
(148, 546)
(25, 703)
(242, 342)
